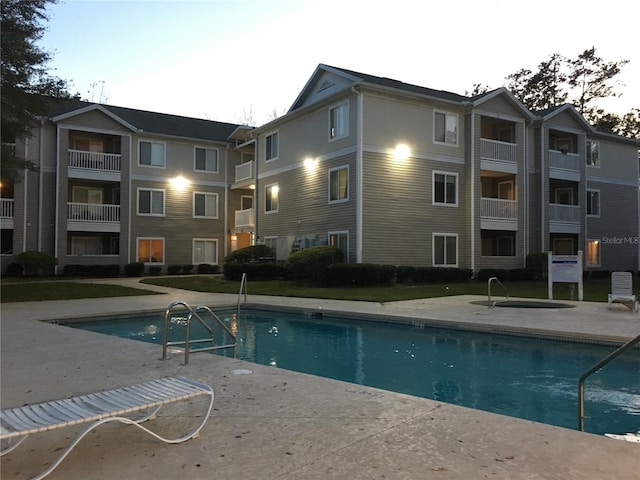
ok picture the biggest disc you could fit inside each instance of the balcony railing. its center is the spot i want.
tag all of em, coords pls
(244, 171)
(564, 213)
(106, 162)
(93, 212)
(497, 150)
(6, 207)
(244, 218)
(498, 208)
(564, 161)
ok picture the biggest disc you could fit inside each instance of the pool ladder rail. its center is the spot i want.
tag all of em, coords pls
(195, 313)
(497, 280)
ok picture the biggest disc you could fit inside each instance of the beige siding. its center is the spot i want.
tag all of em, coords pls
(96, 119)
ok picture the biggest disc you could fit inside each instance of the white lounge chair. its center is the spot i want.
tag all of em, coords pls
(622, 290)
(98, 408)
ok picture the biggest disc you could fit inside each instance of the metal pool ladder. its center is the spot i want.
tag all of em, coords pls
(612, 356)
(496, 279)
(209, 343)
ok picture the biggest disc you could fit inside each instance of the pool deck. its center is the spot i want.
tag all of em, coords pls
(277, 424)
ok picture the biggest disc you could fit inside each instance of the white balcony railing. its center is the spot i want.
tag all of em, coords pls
(6, 207)
(244, 171)
(564, 161)
(93, 212)
(498, 208)
(106, 162)
(244, 218)
(564, 213)
(497, 150)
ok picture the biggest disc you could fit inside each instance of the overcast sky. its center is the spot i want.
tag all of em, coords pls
(234, 60)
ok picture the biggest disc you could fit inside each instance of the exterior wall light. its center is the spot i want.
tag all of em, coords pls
(401, 152)
(180, 183)
(310, 164)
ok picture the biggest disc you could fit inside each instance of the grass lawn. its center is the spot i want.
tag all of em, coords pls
(63, 290)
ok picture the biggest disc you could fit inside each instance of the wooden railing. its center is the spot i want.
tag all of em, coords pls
(244, 218)
(106, 162)
(6, 207)
(93, 212)
(497, 150)
(499, 208)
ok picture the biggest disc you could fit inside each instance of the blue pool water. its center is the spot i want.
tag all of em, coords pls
(521, 377)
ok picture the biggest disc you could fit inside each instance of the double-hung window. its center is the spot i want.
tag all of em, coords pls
(339, 121)
(206, 160)
(445, 188)
(593, 203)
(445, 249)
(340, 240)
(205, 250)
(593, 154)
(339, 184)
(150, 250)
(150, 201)
(593, 253)
(271, 201)
(152, 154)
(445, 128)
(271, 146)
(205, 205)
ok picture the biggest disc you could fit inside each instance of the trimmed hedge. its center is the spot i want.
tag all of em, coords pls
(359, 274)
(311, 263)
(135, 269)
(174, 269)
(253, 253)
(205, 269)
(36, 263)
(155, 270)
(537, 264)
(408, 274)
(254, 271)
(14, 270)
(91, 270)
(514, 275)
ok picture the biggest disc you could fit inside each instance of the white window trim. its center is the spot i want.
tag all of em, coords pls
(164, 147)
(164, 246)
(164, 200)
(206, 194)
(588, 202)
(331, 170)
(272, 159)
(590, 265)
(346, 132)
(433, 249)
(266, 187)
(193, 250)
(340, 232)
(243, 197)
(195, 169)
(561, 190)
(445, 113)
(433, 188)
(588, 153)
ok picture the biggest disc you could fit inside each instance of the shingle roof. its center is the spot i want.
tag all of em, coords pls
(152, 122)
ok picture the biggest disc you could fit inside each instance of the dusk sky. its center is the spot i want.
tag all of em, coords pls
(234, 60)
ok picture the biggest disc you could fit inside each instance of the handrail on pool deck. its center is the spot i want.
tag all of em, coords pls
(612, 356)
(506, 294)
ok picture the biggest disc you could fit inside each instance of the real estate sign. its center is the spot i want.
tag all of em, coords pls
(565, 269)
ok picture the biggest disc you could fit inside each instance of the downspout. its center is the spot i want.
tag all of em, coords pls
(227, 238)
(57, 216)
(26, 196)
(525, 172)
(41, 187)
(359, 174)
(256, 195)
(543, 199)
(129, 239)
(473, 190)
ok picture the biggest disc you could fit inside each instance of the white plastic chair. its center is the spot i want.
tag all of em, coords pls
(622, 290)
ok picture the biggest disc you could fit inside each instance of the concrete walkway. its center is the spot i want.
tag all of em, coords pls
(277, 424)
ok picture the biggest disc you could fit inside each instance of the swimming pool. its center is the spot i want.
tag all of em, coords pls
(522, 377)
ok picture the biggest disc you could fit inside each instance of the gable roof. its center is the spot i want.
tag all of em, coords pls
(551, 112)
(144, 121)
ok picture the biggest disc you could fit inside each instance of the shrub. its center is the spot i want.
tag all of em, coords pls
(360, 274)
(35, 263)
(205, 268)
(155, 270)
(14, 270)
(254, 253)
(409, 274)
(311, 263)
(112, 270)
(254, 271)
(174, 269)
(187, 268)
(134, 269)
(485, 274)
(537, 264)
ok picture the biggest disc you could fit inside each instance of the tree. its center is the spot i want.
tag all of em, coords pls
(542, 89)
(25, 81)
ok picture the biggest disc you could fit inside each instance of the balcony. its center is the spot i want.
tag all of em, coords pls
(244, 172)
(498, 156)
(564, 218)
(498, 214)
(93, 217)
(565, 166)
(95, 165)
(6, 207)
(245, 218)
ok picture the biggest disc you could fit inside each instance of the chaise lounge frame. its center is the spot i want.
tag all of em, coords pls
(622, 290)
(99, 408)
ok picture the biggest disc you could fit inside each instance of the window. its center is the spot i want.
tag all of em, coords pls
(206, 160)
(593, 253)
(152, 154)
(445, 128)
(593, 154)
(339, 121)
(205, 250)
(339, 184)
(564, 196)
(150, 250)
(445, 189)
(340, 240)
(271, 198)
(445, 250)
(87, 195)
(150, 202)
(246, 202)
(271, 146)
(86, 246)
(593, 203)
(505, 246)
(205, 205)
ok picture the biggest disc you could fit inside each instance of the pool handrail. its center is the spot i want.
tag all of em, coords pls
(506, 294)
(243, 283)
(612, 356)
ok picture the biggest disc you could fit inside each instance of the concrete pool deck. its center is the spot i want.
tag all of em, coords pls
(277, 424)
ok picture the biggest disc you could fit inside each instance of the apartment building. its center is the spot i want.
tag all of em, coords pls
(117, 185)
(400, 174)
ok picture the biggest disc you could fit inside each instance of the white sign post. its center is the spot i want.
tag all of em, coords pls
(565, 269)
